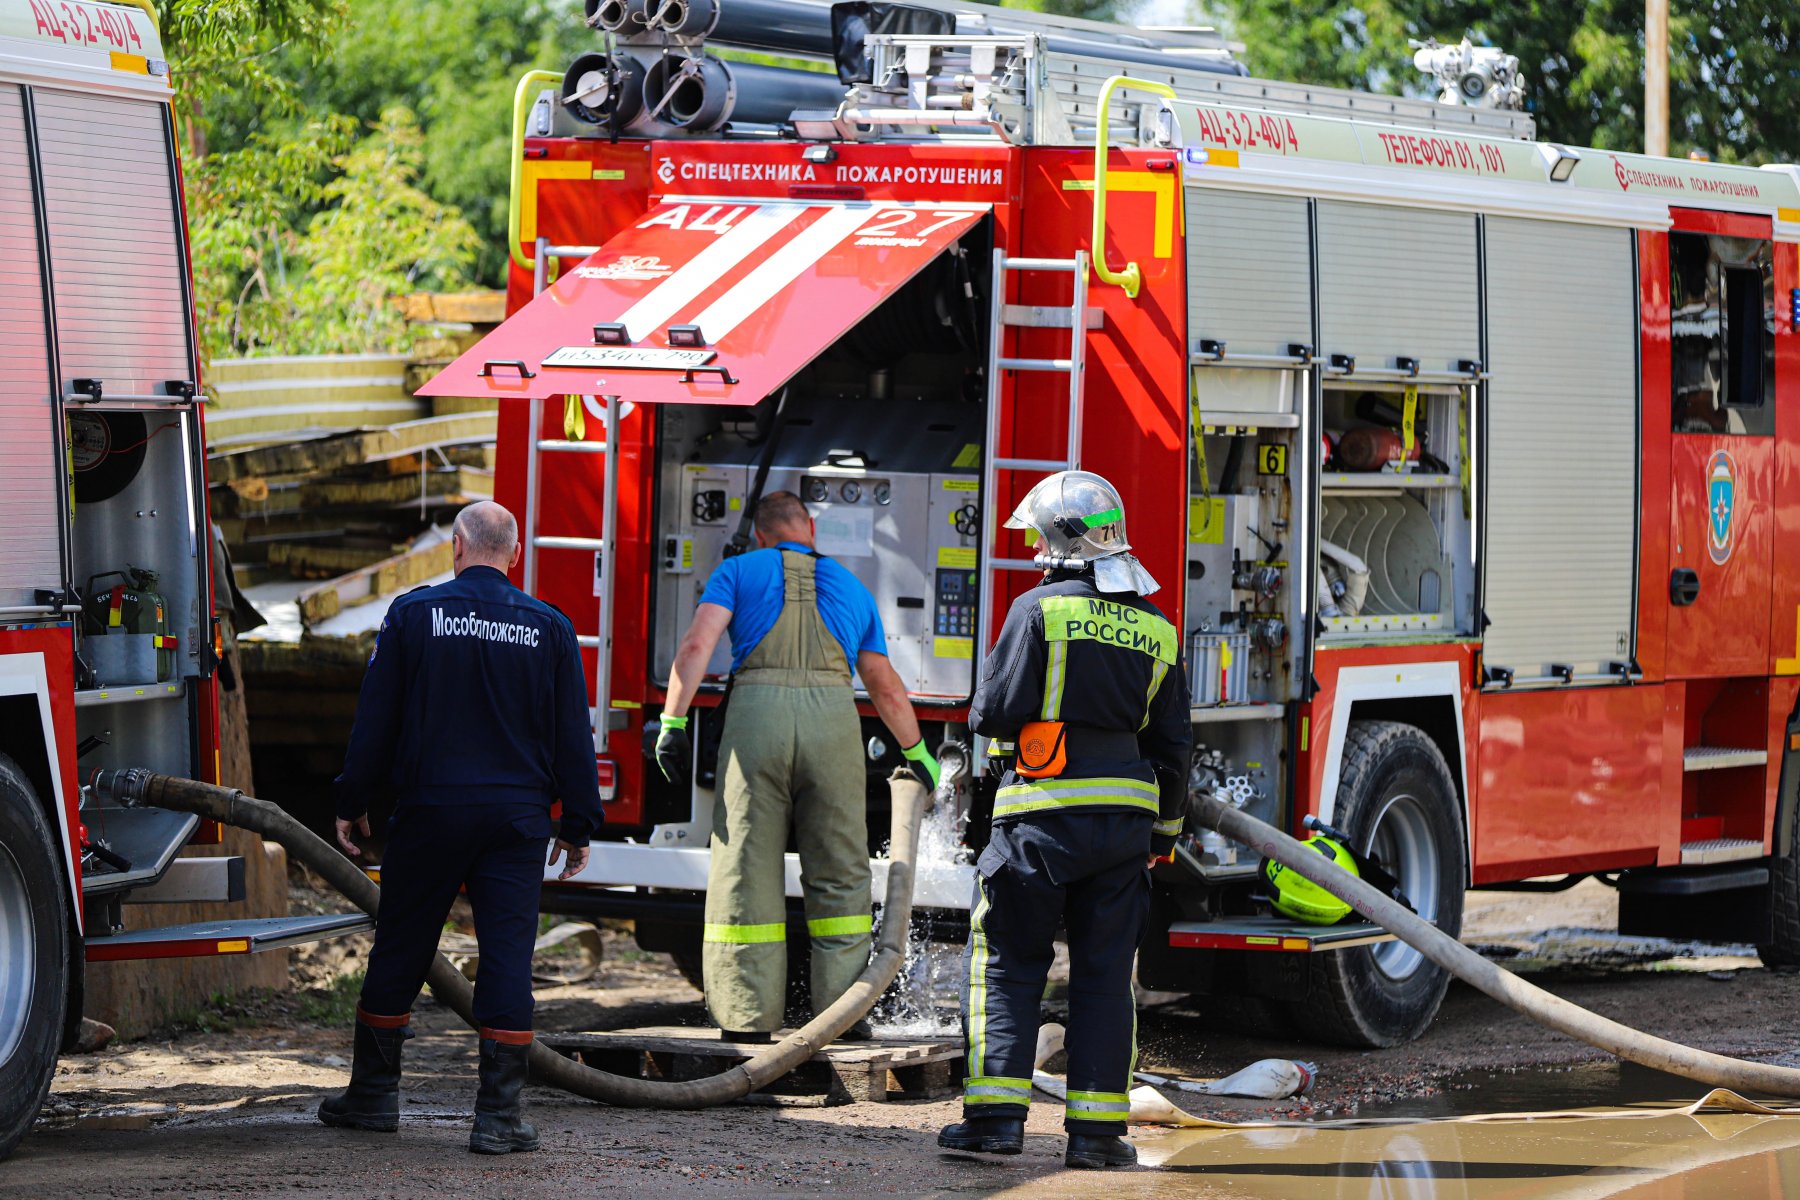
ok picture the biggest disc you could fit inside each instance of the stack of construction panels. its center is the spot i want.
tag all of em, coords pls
(334, 488)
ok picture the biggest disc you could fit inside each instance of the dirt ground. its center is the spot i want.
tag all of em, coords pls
(225, 1107)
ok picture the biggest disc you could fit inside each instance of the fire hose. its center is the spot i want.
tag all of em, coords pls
(228, 806)
(1527, 999)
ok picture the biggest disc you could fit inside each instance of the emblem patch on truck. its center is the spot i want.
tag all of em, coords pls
(1721, 497)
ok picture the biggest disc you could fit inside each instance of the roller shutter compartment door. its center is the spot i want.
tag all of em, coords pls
(116, 261)
(1249, 271)
(30, 545)
(1398, 282)
(1562, 414)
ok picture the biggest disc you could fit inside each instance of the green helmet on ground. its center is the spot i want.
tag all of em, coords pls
(1301, 898)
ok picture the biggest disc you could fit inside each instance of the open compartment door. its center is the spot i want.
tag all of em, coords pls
(708, 302)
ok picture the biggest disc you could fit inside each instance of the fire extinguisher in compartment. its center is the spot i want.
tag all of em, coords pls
(1372, 449)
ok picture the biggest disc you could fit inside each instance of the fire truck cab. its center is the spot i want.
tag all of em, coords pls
(1465, 461)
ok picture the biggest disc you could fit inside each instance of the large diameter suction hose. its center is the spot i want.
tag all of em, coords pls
(1714, 1070)
(230, 807)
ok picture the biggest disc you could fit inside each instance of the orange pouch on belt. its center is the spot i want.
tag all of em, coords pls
(1042, 750)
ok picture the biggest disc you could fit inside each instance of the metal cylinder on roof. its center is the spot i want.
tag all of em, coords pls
(769, 95)
(803, 28)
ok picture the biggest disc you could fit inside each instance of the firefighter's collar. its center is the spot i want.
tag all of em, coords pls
(1123, 573)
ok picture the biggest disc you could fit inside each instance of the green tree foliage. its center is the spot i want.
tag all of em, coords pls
(1733, 82)
(263, 285)
(379, 236)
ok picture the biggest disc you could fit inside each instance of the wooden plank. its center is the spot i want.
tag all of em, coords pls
(464, 308)
(335, 453)
(317, 561)
(364, 493)
(400, 573)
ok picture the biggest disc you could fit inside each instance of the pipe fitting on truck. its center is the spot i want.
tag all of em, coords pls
(605, 90)
(618, 16)
(685, 18)
(693, 94)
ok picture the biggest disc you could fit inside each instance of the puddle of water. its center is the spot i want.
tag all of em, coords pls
(1611, 1085)
(118, 1116)
(1649, 1158)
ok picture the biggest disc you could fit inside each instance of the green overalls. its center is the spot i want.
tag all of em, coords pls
(790, 754)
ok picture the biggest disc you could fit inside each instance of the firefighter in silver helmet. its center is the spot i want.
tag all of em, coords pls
(1085, 697)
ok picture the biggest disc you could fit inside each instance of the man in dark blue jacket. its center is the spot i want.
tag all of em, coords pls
(474, 718)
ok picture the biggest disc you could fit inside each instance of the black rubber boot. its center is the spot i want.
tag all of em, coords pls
(372, 1101)
(498, 1128)
(985, 1135)
(1099, 1150)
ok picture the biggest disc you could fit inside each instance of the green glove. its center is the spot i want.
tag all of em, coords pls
(923, 764)
(674, 749)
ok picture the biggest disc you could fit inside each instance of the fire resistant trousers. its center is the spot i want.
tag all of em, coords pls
(789, 757)
(433, 851)
(1085, 871)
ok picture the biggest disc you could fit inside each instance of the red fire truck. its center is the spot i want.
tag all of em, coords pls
(1469, 464)
(107, 640)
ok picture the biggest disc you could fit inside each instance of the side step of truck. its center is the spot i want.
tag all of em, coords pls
(1273, 933)
(206, 938)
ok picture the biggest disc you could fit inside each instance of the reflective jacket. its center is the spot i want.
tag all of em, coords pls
(474, 695)
(1109, 666)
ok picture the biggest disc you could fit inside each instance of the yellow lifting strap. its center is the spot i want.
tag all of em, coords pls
(1408, 422)
(574, 419)
(1462, 447)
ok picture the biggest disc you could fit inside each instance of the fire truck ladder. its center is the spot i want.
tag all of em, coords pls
(1077, 320)
(536, 447)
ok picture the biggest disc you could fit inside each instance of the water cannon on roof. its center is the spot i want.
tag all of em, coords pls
(1471, 75)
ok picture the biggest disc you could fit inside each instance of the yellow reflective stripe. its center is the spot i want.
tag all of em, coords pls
(840, 926)
(1157, 672)
(999, 749)
(1054, 672)
(1096, 1109)
(1013, 808)
(746, 935)
(1086, 618)
(1105, 1099)
(978, 990)
(996, 1089)
(1038, 794)
(1109, 783)
(1167, 828)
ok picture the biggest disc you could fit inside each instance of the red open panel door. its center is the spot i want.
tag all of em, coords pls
(759, 288)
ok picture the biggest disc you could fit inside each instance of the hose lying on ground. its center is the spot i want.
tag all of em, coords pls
(231, 807)
(1528, 999)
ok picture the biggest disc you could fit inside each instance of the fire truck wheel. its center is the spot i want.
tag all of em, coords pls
(34, 955)
(1784, 896)
(1397, 801)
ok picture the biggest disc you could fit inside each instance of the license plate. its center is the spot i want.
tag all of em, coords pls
(647, 358)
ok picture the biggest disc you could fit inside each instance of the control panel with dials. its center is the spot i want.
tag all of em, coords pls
(899, 507)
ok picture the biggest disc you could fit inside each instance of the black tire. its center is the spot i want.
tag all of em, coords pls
(1784, 880)
(34, 975)
(1396, 795)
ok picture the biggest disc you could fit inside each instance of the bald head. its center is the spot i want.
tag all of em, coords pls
(485, 535)
(781, 517)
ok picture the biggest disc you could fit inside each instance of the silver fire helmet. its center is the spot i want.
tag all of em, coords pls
(1080, 522)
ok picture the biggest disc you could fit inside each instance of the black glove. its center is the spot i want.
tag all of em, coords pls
(674, 749)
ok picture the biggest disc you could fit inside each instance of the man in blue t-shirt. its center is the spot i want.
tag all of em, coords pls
(790, 756)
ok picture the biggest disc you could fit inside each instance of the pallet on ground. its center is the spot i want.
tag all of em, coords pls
(841, 1073)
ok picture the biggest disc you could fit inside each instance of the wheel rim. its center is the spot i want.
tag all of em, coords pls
(1401, 839)
(18, 954)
